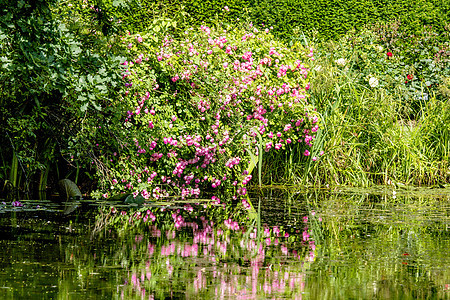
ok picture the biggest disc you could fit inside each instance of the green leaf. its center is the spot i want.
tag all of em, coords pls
(75, 49)
(96, 106)
(69, 189)
(132, 200)
(83, 107)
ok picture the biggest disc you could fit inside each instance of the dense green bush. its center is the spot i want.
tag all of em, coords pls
(330, 18)
(56, 69)
(65, 96)
(198, 113)
(386, 57)
(385, 119)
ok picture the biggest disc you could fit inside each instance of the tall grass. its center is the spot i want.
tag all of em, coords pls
(370, 136)
(368, 140)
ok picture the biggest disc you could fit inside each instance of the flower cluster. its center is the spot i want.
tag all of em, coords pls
(218, 96)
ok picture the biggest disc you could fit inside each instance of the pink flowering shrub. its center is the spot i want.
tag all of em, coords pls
(194, 108)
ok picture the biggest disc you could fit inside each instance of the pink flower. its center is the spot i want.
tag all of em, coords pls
(139, 39)
(16, 204)
(306, 153)
(247, 55)
(276, 230)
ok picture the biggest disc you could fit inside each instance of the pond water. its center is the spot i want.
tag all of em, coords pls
(308, 245)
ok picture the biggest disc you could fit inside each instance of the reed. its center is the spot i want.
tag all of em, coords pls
(369, 136)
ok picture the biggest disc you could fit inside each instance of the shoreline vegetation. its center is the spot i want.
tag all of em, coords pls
(171, 110)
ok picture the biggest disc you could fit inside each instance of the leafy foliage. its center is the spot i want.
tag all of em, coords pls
(197, 112)
(330, 19)
(55, 69)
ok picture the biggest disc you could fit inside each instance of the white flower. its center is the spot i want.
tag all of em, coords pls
(318, 68)
(341, 61)
(380, 48)
(373, 82)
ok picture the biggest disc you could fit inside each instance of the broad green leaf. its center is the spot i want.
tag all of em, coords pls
(135, 200)
(96, 105)
(69, 189)
(84, 107)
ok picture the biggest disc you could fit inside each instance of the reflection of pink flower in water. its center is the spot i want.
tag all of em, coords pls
(213, 241)
(155, 231)
(151, 249)
(230, 224)
(169, 267)
(170, 234)
(199, 281)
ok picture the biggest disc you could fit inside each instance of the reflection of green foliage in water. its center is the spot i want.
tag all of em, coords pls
(340, 246)
(383, 247)
(368, 246)
(210, 248)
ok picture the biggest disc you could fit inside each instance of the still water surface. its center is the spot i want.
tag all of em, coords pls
(309, 246)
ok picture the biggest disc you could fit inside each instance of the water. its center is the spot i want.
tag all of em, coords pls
(336, 245)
